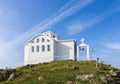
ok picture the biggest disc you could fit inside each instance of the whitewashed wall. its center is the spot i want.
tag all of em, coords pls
(64, 50)
(59, 50)
(39, 57)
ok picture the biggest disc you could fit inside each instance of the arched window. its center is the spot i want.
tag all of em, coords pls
(53, 36)
(37, 40)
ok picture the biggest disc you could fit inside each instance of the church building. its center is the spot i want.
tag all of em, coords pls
(47, 47)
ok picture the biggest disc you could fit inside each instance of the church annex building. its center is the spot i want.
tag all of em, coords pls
(47, 47)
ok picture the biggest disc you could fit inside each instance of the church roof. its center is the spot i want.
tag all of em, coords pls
(67, 40)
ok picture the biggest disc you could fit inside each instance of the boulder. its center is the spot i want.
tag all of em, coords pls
(79, 77)
(85, 77)
(40, 78)
(82, 77)
(12, 76)
(112, 73)
(70, 82)
(104, 79)
(91, 75)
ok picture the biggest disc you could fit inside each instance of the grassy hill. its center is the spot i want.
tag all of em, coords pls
(65, 72)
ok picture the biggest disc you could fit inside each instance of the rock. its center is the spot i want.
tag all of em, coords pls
(104, 79)
(74, 68)
(12, 76)
(70, 82)
(112, 73)
(40, 78)
(82, 77)
(85, 77)
(91, 75)
(79, 77)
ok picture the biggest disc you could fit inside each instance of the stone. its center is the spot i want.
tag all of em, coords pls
(85, 77)
(12, 76)
(112, 73)
(70, 82)
(91, 75)
(82, 77)
(79, 77)
(40, 78)
(104, 79)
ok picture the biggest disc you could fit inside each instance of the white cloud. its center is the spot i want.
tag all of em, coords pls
(8, 21)
(10, 50)
(80, 26)
(115, 46)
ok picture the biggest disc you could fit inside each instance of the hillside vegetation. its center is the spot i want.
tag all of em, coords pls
(63, 72)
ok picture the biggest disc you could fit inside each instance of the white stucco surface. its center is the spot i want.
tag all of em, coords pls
(59, 50)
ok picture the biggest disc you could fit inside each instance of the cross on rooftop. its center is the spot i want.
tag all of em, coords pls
(82, 40)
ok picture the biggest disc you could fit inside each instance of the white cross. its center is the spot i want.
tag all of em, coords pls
(83, 40)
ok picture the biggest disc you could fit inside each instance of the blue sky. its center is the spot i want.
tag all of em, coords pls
(98, 21)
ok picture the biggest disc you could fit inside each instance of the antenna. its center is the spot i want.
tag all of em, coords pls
(92, 54)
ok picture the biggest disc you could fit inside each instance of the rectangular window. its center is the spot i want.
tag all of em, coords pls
(37, 40)
(32, 49)
(48, 40)
(43, 40)
(43, 48)
(48, 47)
(37, 48)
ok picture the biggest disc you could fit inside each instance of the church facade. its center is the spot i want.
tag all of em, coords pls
(47, 47)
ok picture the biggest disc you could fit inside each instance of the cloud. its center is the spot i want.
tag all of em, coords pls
(115, 46)
(8, 21)
(77, 26)
(11, 49)
(70, 8)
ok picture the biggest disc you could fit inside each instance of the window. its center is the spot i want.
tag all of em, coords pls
(48, 40)
(32, 41)
(53, 36)
(32, 48)
(43, 40)
(48, 47)
(37, 40)
(43, 48)
(37, 48)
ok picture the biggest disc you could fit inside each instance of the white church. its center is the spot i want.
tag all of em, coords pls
(47, 47)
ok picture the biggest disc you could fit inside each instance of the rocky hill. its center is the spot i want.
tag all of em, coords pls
(62, 72)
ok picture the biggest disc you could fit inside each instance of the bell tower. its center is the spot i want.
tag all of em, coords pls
(83, 46)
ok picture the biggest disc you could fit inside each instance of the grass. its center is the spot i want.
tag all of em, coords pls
(58, 72)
